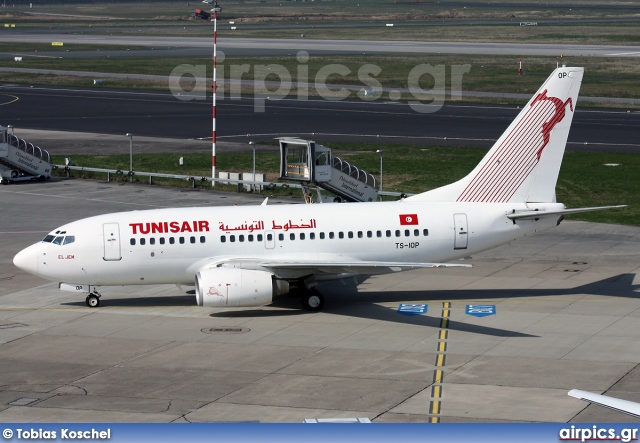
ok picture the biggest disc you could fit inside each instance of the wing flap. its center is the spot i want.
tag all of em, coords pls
(360, 267)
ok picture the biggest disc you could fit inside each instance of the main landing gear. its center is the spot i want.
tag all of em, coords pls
(312, 300)
(93, 300)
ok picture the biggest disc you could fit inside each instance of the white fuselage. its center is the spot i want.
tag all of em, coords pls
(172, 245)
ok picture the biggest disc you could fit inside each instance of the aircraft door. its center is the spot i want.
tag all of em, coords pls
(269, 240)
(461, 235)
(111, 233)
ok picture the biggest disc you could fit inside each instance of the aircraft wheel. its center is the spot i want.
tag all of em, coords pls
(92, 301)
(312, 301)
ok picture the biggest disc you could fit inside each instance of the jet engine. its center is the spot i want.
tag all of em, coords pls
(232, 287)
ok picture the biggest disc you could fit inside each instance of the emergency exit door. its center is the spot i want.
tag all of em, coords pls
(461, 235)
(111, 233)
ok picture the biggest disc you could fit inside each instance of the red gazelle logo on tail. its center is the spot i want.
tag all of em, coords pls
(517, 152)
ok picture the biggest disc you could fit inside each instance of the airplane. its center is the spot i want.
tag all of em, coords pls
(628, 407)
(247, 255)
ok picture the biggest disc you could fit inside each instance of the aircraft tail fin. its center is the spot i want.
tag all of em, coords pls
(523, 165)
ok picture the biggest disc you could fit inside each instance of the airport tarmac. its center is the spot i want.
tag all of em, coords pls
(567, 315)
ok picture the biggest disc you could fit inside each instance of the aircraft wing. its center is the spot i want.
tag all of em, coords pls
(626, 406)
(529, 215)
(356, 266)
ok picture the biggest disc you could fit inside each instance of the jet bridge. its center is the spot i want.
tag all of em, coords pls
(21, 160)
(306, 161)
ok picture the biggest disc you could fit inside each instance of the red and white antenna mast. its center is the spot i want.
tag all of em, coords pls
(214, 88)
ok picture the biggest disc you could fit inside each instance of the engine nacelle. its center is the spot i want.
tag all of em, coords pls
(231, 287)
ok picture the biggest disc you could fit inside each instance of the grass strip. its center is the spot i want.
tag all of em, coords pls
(584, 179)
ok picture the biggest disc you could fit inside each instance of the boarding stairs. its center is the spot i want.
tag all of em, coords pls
(308, 162)
(21, 160)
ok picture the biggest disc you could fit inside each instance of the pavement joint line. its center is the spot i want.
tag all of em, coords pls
(435, 405)
(23, 232)
(83, 308)
(73, 196)
(544, 298)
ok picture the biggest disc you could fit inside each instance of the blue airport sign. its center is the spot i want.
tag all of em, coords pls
(481, 310)
(409, 309)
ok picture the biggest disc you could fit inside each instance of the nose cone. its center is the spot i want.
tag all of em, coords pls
(27, 259)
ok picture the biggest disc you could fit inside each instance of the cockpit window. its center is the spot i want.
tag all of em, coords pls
(69, 239)
(48, 238)
(58, 240)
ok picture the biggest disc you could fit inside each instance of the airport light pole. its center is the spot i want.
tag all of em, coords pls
(130, 156)
(253, 145)
(379, 151)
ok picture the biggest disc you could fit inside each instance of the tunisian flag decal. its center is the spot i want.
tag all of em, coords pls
(408, 219)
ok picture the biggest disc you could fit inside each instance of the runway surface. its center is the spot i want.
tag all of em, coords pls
(567, 315)
(163, 115)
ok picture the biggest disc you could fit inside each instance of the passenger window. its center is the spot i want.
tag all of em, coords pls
(192, 240)
(340, 234)
(181, 240)
(172, 240)
(397, 232)
(69, 239)
(270, 237)
(388, 233)
(331, 235)
(302, 236)
(425, 232)
(259, 237)
(369, 234)
(202, 239)
(250, 237)
(152, 241)
(312, 236)
(223, 238)
(162, 240)
(58, 240)
(378, 234)
(132, 242)
(292, 236)
(407, 233)
(416, 232)
(241, 238)
(359, 234)
(232, 238)
(142, 241)
(280, 237)
(322, 236)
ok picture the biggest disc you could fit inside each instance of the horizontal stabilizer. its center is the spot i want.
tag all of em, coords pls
(626, 406)
(530, 215)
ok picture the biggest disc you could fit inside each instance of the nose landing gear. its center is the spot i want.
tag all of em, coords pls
(93, 300)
